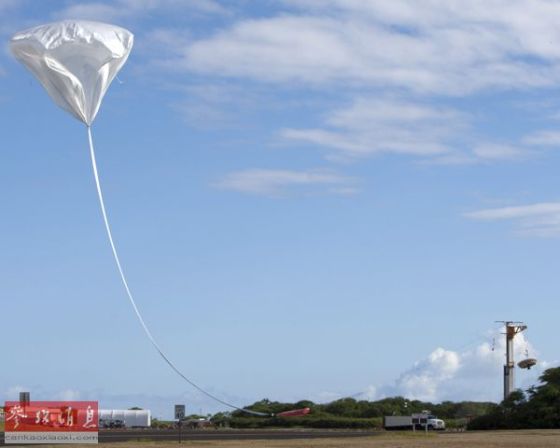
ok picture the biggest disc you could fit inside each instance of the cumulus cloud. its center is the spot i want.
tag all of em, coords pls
(424, 380)
(267, 182)
(470, 374)
(541, 219)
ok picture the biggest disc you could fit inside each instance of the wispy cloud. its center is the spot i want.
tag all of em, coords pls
(12, 393)
(541, 219)
(490, 151)
(440, 135)
(218, 105)
(543, 138)
(68, 395)
(92, 11)
(6, 5)
(274, 183)
(372, 126)
(122, 9)
(415, 56)
(486, 153)
(440, 48)
(8, 24)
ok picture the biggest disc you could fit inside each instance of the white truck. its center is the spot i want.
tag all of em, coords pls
(422, 421)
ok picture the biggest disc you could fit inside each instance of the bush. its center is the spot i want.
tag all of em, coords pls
(323, 422)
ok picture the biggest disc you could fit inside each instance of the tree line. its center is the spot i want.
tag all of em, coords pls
(538, 407)
(348, 412)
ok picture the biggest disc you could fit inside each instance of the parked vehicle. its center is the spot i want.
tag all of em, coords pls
(422, 421)
(110, 424)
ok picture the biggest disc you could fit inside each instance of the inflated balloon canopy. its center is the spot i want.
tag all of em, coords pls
(75, 61)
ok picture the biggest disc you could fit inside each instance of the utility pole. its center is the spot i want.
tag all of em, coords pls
(512, 328)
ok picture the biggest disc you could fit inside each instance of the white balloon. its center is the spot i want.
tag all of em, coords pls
(75, 61)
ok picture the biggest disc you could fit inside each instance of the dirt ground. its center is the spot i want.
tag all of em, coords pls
(483, 439)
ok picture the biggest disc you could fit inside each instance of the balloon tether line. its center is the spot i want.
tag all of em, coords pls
(131, 298)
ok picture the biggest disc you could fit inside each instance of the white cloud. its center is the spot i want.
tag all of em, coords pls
(92, 11)
(218, 105)
(13, 392)
(372, 126)
(440, 47)
(267, 182)
(7, 24)
(68, 395)
(471, 374)
(499, 152)
(122, 9)
(495, 18)
(425, 379)
(410, 52)
(6, 5)
(370, 393)
(360, 47)
(541, 219)
(364, 112)
(543, 138)
(399, 126)
(522, 211)
(164, 42)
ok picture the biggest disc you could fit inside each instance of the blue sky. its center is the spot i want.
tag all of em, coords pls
(311, 199)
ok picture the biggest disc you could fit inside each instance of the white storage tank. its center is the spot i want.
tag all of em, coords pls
(130, 418)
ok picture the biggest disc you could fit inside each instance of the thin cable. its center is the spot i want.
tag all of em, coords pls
(131, 298)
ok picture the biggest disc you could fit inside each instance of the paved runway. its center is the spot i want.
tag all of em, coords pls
(151, 434)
